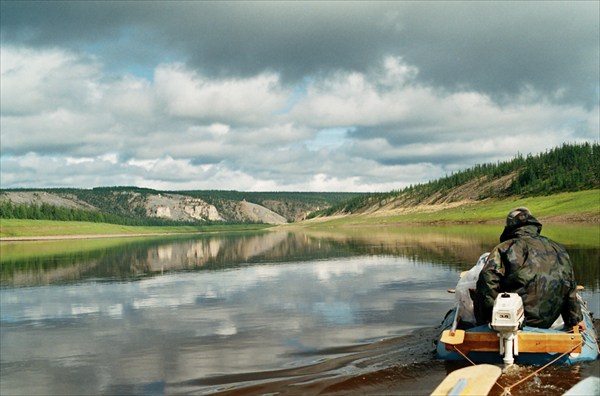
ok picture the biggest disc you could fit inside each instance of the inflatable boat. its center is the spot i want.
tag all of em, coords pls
(506, 340)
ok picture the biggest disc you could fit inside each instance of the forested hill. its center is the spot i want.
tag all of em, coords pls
(142, 206)
(571, 167)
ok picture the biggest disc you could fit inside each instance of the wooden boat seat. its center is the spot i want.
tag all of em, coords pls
(528, 342)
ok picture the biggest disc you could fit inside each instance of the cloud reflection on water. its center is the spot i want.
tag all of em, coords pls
(190, 325)
(194, 310)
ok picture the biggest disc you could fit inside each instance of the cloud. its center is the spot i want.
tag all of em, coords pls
(242, 101)
(288, 96)
(37, 81)
(497, 48)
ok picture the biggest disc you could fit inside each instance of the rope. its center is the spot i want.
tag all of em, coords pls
(595, 342)
(590, 346)
(463, 355)
(473, 363)
(506, 390)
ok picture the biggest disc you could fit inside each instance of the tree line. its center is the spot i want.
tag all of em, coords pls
(9, 210)
(571, 167)
(568, 168)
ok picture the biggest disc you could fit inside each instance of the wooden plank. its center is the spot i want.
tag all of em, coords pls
(549, 342)
(528, 342)
(480, 342)
(472, 380)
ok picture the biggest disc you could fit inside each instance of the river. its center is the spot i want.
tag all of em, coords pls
(302, 312)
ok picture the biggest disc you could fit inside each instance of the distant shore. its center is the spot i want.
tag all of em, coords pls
(311, 224)
(31, 230)
(564, 208)
(90, 236)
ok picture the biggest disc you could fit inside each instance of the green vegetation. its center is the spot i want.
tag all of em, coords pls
(581, 204)
(8, 210)
(564, 204)
(12, 251)
(569, 168)
(25, 228)
(128, 205)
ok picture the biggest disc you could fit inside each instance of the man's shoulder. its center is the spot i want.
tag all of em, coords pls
(527, 242)
(551, 242)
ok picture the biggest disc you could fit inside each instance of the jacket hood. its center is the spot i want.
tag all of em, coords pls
(530, 229)
(519, 218)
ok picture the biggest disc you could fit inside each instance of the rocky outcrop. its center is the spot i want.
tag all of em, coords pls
(181, 208)
(259, 214)
(160, 205)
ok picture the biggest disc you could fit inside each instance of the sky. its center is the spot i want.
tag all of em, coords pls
(288, 96)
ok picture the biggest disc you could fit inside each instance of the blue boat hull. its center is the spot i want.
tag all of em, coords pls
(589, 350)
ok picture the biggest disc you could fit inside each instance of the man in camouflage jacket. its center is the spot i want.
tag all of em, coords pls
(536, 268)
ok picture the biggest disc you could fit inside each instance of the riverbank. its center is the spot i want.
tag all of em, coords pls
(90, 236)
(581, 207)
(21, 230)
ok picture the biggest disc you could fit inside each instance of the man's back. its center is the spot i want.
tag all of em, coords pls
(536, 268)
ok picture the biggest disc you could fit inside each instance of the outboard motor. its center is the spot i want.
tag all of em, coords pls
(507, 318)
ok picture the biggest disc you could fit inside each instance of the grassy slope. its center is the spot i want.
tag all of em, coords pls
(553, 211)
(24, 228)
(579, 204)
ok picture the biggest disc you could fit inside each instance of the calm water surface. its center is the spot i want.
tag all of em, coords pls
(203, 314)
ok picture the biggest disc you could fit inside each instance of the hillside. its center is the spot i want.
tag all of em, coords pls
(569, 168)
(139, 206)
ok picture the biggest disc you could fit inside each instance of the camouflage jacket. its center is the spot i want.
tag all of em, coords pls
(536, 268)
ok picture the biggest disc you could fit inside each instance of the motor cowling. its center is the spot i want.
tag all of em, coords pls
(508, 316)
(508, 313)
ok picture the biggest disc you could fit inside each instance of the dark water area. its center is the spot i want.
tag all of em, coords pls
(319, 312)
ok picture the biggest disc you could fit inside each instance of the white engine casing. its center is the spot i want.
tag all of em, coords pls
(508, 313)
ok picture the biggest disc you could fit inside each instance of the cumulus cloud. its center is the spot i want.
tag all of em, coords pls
(44, 81)
(288, 96)
(242, 101)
